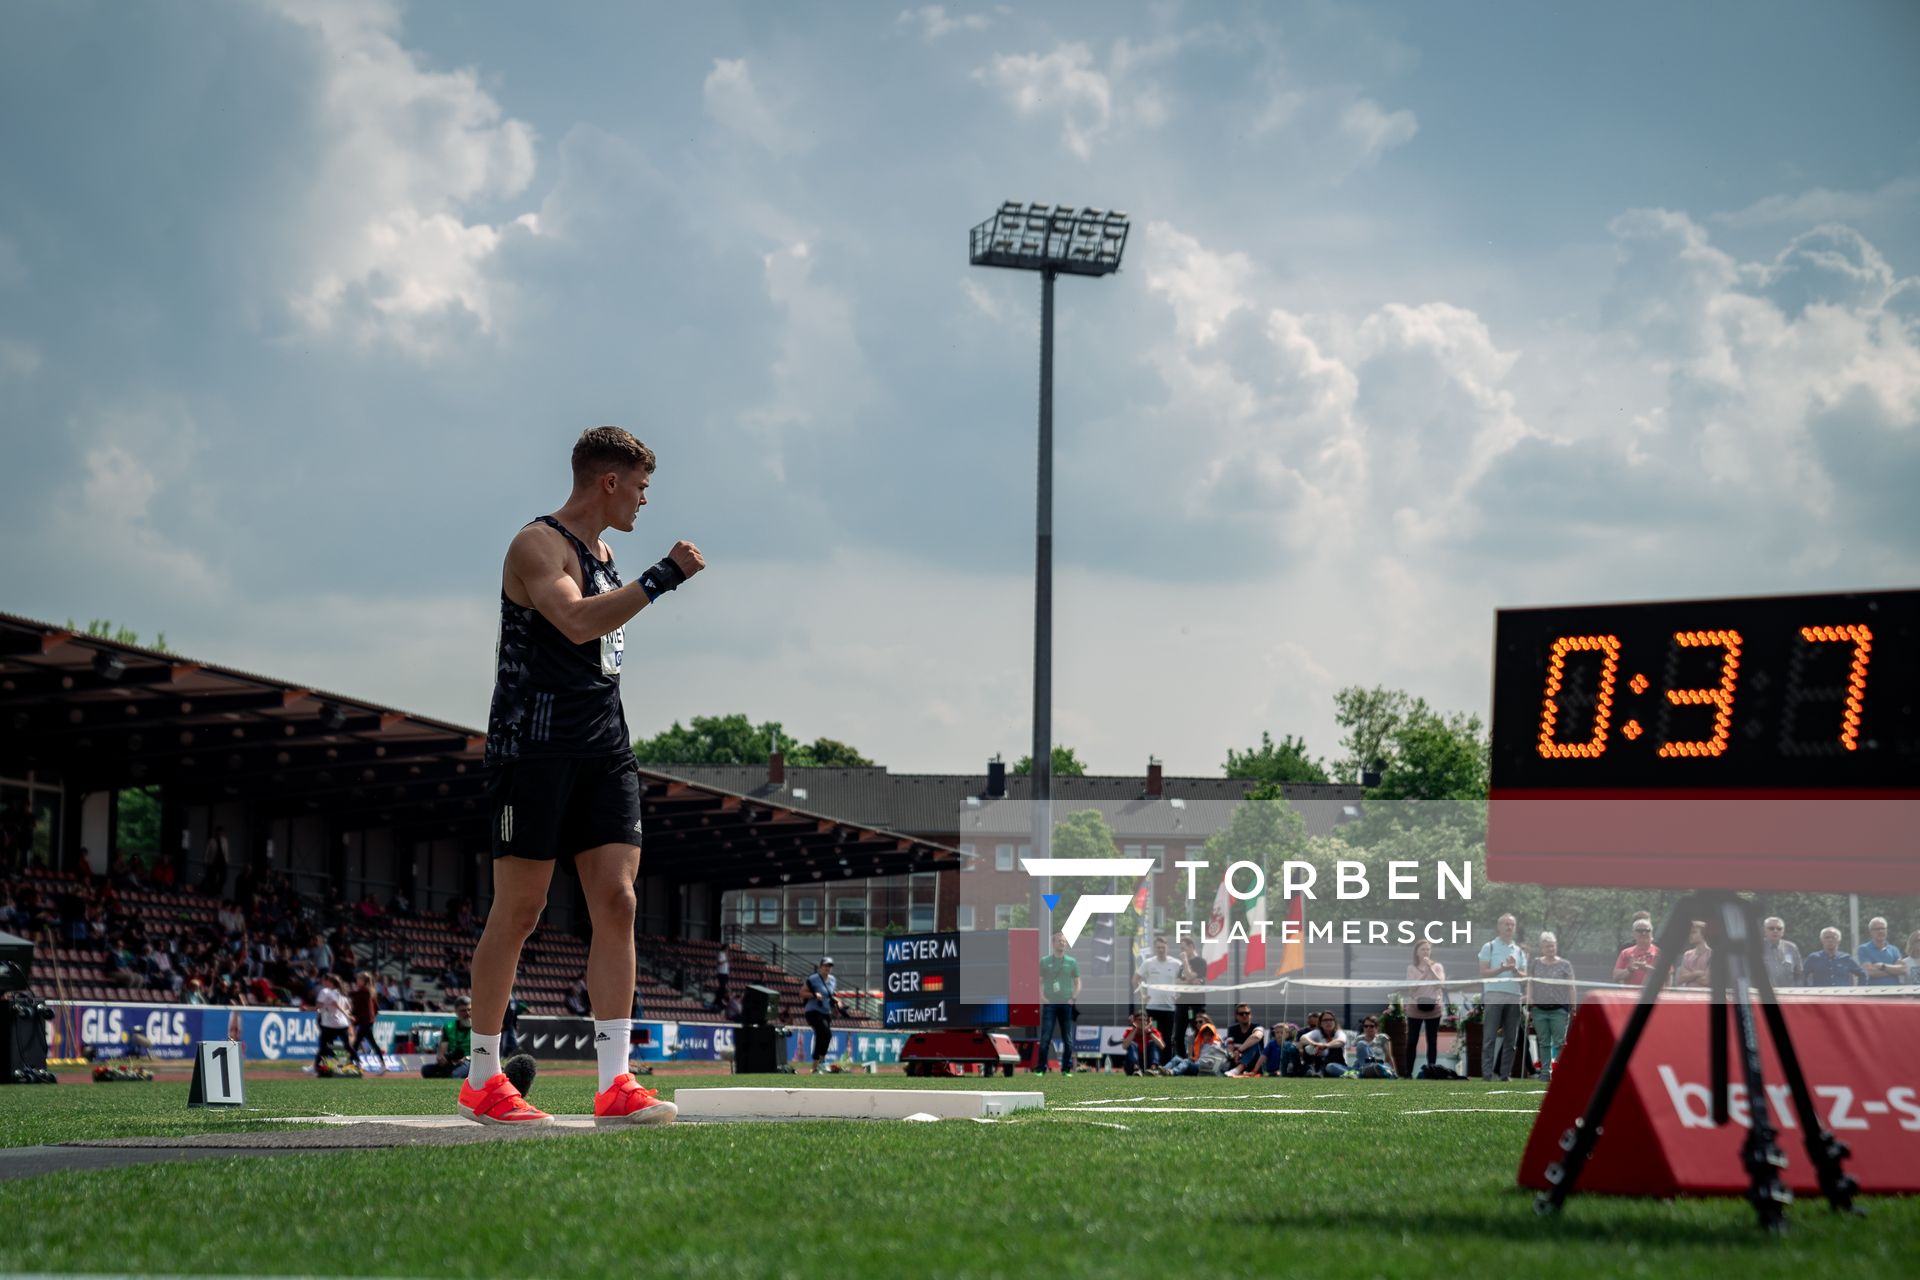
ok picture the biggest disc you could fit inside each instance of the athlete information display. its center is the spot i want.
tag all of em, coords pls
(921, 975)
(1780, 737)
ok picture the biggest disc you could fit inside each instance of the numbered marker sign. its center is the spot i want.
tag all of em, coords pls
(217, 1081)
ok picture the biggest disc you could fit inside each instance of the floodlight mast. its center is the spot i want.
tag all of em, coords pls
(1053, 240)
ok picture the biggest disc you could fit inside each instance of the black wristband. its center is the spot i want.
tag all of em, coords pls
(661, 578)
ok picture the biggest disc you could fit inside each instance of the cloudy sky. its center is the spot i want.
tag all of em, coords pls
(1428, 310)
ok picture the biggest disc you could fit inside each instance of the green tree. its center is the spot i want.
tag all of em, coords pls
(137, 825)
(828, 753)
(1065, 764)
(106, 629)
(1283, 761)
(1427, 755)
(1085, 834)
(734, 739)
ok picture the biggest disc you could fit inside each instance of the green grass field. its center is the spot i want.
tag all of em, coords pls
(1369, 1191)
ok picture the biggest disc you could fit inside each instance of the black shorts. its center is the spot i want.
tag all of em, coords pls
(549, 807)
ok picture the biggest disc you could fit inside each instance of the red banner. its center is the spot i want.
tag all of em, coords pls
(1659, 1138)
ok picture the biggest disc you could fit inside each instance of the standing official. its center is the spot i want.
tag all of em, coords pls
(820, 1008)
(1059, 990)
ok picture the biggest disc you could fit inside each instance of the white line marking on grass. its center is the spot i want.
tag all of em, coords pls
(1224, 1111)
(1524, 1093)
(1448, 1111)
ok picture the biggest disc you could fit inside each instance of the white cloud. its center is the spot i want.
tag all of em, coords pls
(18, 360)
(733, 102)
(387, 252)
(1821, 204)
(1090, 101)
(107, 516)
(1204, 288)
(1369, 129)
(819, 375)
(13, 268)
(934, 22)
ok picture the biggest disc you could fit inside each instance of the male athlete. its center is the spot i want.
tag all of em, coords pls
(564, 782)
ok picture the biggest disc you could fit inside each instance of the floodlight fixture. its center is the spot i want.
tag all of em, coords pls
(1054, 240)
(1057, 237)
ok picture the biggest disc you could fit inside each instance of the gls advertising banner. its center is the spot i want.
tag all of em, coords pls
(1659, 1138)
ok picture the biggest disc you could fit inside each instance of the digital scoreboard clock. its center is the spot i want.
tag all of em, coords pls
(1743, 744)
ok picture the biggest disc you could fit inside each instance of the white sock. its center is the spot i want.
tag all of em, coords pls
(612, 1039)
(485, 1063)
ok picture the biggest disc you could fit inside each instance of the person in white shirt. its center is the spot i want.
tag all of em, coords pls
(1159, 973)
(1325, 1047)
(335, 1020)
(1503, 967)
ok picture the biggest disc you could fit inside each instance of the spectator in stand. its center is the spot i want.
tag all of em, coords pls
(1143, 1044)
(229, 917)
(1913, 957)
(456, 1043)
(722, 970)
(193, 992)
(1635, 962)
(1193, 973)
(213, 882)
(1503, 968)
(1879, 959)
(1426, 1001)
(1550, 990)
(163, 873)
(9, 918)
(1244, 1041)
(400, 906)
(1059, 989)
(1373, 1052)
(1325, 1046)
(263, 992)
(365, 1002)
(1781, 957)
(1830, 966)
(577, 1002)
(367, 909)
(1158, 974)
(1694, 966)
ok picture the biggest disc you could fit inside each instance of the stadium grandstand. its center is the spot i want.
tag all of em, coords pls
(291, 819)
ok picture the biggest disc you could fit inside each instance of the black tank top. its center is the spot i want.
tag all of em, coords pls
(552, 697)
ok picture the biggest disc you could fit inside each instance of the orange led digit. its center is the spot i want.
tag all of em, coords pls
(1609, 646)
(1721, 699)
(1856, 678)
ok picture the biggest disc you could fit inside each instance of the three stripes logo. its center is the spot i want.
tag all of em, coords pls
(506, 823)
(1089, 904)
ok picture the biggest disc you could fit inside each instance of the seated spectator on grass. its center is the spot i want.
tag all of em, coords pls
(1635, 961)
(1830, 966)
(1325, 1047)
(456, 1043)
(1373, 1052)
(1693, 969)
(1781, 957)
(1142, 1032)
(1244, 1041)
(1205, 1054)
(1282, 1056)
(1879, 959)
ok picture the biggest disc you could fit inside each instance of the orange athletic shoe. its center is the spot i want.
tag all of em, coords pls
(499, 1103)
(624, 1102)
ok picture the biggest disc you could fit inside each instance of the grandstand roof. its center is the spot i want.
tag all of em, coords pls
(98, 714)
(946, 804)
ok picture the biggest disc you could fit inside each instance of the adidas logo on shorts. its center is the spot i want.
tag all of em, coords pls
(506, 822)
